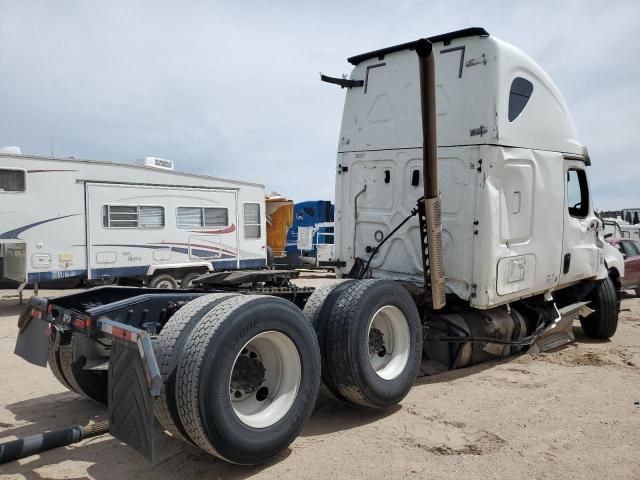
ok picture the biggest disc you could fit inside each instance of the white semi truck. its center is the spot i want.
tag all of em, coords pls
(465, 232)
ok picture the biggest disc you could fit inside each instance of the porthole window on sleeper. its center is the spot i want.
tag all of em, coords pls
(521, 90)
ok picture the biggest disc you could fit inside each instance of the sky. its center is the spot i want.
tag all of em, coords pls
(232, 89)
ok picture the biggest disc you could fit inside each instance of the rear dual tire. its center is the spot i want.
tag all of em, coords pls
(67, 365)
(168, 348)
(247, 376)
(370, 335)
(317, 310)
(54, 362)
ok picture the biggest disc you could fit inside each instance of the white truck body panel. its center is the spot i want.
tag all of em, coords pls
(56, 227)
(502, 181)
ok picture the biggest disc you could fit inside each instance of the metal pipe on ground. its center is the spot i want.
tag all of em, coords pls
(41, 442)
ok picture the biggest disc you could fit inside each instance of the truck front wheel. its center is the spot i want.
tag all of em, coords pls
(248, 378)
(603, 322)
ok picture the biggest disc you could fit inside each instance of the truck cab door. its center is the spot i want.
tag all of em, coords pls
(579, 251)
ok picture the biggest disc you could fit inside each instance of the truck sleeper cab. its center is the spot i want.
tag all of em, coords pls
(517, 217)
(512, 257)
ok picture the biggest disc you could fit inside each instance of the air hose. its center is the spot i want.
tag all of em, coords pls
(40, 442)
(377, 248)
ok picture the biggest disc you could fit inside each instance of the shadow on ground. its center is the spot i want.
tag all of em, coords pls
(105, 457)
(9, 307)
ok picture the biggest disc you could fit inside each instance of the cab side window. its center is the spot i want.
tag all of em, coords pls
(630, 248)
(577, 193)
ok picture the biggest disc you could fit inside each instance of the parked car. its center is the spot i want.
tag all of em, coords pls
(630, 250)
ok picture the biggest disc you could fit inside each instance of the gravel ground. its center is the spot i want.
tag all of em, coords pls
(571, 413)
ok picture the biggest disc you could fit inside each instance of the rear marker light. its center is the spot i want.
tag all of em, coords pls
(81, 323)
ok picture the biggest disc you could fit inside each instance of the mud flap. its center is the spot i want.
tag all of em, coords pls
(33, 339)
(130, 399)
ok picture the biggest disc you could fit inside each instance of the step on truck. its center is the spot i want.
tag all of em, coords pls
(465, 232)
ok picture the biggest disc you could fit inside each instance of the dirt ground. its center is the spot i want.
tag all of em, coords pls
(571, 413)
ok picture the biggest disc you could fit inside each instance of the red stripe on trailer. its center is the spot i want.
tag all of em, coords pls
(229, 229)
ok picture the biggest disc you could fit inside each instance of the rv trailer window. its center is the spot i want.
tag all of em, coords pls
(197, 217)
(150, 217)
(189, 217)
(577, 193)
(132, 216)
(216, 217)
(12, 180)
(252, 220)
(519, 95)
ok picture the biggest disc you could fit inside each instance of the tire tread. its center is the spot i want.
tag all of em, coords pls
(168, 349)
(603, 323)
(190, 366)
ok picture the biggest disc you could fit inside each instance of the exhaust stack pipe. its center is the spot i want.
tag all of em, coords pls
(430, 212)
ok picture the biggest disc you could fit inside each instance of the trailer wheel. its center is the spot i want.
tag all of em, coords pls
(54, 360)
(90, 383)
(373, 343)
(317, 309)
(604, 321)
(248, 378)
(186, 282)
(271, 259)
(163, 280)
(171, 339)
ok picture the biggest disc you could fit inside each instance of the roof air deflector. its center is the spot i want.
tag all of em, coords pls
(445, 37)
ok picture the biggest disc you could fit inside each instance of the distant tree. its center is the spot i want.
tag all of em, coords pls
(636, 220)
(627, 216)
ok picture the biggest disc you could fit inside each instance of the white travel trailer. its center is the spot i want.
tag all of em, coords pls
(81, 219)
